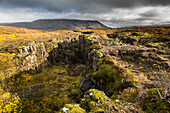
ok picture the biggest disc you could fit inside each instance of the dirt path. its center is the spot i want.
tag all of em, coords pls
(139, 75)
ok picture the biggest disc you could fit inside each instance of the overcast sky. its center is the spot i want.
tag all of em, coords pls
(113, 13)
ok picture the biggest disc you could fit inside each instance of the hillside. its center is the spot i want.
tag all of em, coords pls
(59, 24)
(82, 71)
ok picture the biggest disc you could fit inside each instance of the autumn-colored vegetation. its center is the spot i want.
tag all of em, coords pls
(58, 85)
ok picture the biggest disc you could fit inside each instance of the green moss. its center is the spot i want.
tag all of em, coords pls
(116, 78)
(130, 76)
(77, 110)
(94, 46)
(106, 70)
(40, 46)
(98, 95)
(100, 61)
(6, 61)
(12, 103)
(13, 54)
(113, 97)
(108, 59)
(97, 102)
(86, 36)
(154, 106)
(98, 52)
(53, 87)
(21, 47)
(73, 109)
(70, 106)
(129, 95)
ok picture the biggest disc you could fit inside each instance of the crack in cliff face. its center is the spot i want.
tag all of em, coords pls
(35, 56)
(75, 51)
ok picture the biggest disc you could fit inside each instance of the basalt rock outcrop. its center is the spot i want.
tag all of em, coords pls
(31, 56)
(36, 55)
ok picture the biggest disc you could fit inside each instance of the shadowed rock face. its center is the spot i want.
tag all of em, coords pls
(34, 56)
(59, 24)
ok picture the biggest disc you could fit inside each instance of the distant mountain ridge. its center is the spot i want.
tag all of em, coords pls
(59, 24)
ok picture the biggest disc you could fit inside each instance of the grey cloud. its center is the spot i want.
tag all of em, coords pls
(150, 13)
(111, 12)
(89, 6)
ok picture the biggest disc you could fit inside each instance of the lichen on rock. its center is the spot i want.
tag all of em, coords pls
(70, 108)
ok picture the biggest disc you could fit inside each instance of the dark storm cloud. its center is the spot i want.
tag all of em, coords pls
(111, 12)
(93, 6)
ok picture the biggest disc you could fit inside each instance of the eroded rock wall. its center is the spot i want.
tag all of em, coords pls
(37, 55)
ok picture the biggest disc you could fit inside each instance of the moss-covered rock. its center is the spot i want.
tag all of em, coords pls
(96, 101)
(70, 108)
